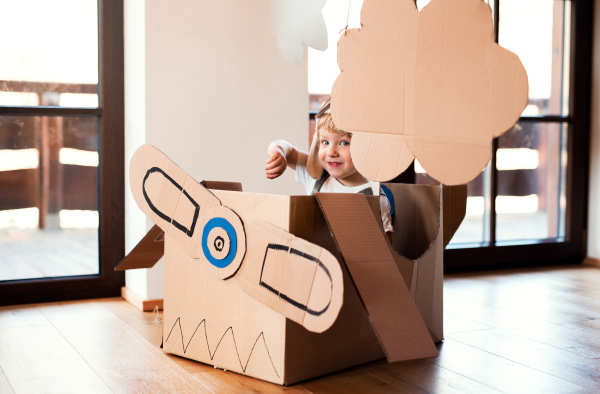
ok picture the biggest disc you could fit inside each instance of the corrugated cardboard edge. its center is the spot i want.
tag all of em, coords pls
(401, 330)
(454, 199)
(219, 185)
(146, 253)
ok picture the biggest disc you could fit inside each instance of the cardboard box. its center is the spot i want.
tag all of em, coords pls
(217, 320)
(288, 288)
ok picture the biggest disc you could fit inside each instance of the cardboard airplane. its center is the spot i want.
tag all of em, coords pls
(285, 288)
(224, 248)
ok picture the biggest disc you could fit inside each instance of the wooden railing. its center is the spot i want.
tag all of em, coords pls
(51, 186)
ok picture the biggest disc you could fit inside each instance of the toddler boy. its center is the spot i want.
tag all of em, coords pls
(328, 167)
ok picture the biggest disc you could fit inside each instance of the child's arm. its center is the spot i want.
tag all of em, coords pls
(281, 155)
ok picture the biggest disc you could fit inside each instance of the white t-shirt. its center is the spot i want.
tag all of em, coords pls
(332, 185)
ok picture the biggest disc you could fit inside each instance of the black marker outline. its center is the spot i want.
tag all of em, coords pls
(184, 346)
(175, 223)
(285, 297)
(215, 243)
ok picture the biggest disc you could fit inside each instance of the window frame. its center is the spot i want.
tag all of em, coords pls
(111, 172)
(573, 248)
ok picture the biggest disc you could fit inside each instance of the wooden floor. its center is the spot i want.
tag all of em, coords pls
(522, 331)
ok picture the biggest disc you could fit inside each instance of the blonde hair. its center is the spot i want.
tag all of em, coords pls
(323, 122)
(326, 122)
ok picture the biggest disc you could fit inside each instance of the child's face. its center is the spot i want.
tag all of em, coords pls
(334, 154)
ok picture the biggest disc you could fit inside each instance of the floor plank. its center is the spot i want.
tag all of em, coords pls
(535, 296)
(5, 387)
(497, 372)
(427, 376)
(38, 359)
(545, 358)
(565, 336)
(21, 317)
(219, 381)
(357, 381)
(590, 327)
(125, 361)
(529, 330)
(453, 323)
(144, 323)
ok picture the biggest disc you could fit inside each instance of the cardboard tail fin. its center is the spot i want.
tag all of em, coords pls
(399, 326)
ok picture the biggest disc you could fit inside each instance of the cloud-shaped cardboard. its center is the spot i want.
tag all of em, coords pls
(432, 85)
(295, 22)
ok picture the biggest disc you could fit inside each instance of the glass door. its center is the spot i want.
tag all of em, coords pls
(529, 205)
(60, 199)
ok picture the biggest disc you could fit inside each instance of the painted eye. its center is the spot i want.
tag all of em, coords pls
(219, 239)
(223, 242)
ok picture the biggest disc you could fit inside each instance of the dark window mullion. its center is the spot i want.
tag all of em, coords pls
(48, 111)
(496, 19)
(493, 192)
(545, 119)
(493, 171)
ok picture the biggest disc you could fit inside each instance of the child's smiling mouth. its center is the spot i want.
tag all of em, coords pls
(333, 164)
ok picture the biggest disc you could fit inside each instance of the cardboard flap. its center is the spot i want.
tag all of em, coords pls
(218, 185)
(394, 315)
(146, 253)
(294, 277)
(431, 85)
(416, 218)
(455, 209)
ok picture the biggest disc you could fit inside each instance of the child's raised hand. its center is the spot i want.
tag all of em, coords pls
(276, 164)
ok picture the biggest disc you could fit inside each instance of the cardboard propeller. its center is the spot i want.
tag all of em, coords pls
(195, 219)
(431, 85)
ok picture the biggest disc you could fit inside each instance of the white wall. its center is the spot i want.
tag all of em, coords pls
(218, 91)
(135, 135)
(206, 85)
(593, 246)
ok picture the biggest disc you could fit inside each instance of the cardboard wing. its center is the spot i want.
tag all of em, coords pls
(271, 258)
(431, 85)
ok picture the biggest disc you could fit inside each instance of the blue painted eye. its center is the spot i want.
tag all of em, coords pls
(219, 242)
